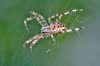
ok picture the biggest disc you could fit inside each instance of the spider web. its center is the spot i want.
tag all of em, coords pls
(79, 48)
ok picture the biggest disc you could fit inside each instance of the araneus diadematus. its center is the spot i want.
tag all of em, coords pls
(54, 27)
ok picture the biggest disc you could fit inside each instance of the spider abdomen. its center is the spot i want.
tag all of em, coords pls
(57, 27)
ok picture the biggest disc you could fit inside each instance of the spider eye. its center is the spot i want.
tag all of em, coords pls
(58, 23)
(43, 32)
(58, 26)
(63, 25)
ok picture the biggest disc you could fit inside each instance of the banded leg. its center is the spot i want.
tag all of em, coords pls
(34, 39)
(28, 19)
(28, 41)
(63, 14)
(74, 29)
(53, 38)
(39, 18)
(33, 43)
(49, 19)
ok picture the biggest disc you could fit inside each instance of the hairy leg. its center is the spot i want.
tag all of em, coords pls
(63, 14)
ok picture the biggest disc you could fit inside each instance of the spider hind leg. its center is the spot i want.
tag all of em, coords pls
(53, 38)
(34, 39)
(74, 29)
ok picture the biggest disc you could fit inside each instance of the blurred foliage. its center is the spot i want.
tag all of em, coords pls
(68, 51)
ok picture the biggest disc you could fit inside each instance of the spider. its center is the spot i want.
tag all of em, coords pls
(54, 27)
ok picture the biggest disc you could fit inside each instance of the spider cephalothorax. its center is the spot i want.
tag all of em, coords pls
(54, 27)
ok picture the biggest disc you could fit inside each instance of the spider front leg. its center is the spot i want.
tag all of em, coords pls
(36, 16)
(63, 14)
(28, 19)
(68, 12)
(39, 18)
(25, 22)
(74, 29)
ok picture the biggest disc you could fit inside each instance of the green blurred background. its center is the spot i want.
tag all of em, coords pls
(80, 48)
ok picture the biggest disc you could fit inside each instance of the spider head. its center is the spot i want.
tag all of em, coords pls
(45, 29)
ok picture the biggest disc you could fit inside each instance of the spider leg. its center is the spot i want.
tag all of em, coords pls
(49, 19)
(63, 14)
(33, 43)
(39, 18)
(53, 38)
(68, 12)
(25, 22)
(28, 41)
(34, 39)
(74, 29)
